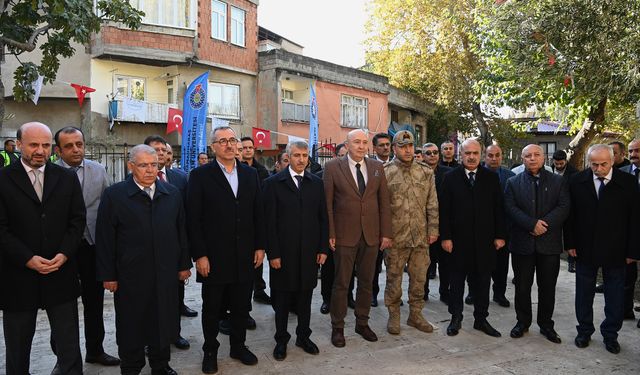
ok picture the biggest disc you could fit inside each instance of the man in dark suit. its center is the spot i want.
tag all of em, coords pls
(537, 203)
(42, 218)
(561, 166)
(141, 244)
(359, 226)
(605, 203)
(227, 239)
(472, 231)
(93, 180)
(448, 151)
(298, 242)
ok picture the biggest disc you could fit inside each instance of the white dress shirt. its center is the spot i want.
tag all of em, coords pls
(293, 176)
(152, 187)
(363, 169)
(232, 177)
(596, 181)
(32, 177)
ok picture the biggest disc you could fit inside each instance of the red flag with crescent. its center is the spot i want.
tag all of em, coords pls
(81, 91)
(174, 121)
(261, 138)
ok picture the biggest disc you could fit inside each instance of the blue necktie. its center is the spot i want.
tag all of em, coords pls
(601, 187)
(472, 178)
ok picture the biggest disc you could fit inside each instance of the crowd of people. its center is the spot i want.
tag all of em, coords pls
(66, 232)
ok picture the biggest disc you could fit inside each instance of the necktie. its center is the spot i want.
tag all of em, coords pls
(361, 185)
(148, 191)
(472, 178)
(161, 176)
(601, 187)
(37, 183)
(299, 179)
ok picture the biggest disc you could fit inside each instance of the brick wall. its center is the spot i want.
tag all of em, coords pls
(112, 35)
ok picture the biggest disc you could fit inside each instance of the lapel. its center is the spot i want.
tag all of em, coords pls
(20, 178)
(371, 173)
(463, 175)
(285, 177)
(51, 177)
(221, 180)
(346, 171)
(587, 182)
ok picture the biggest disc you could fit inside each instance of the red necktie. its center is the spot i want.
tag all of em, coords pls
(161, 176)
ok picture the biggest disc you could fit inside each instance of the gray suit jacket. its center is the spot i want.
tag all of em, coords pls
(628, 169)
(95, 181)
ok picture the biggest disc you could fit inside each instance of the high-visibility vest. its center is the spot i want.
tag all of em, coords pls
(7, 158)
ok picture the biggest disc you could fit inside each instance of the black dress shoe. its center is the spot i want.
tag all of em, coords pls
(600, 288)
(224, 326)
(454, 325)
(307, 345)
(519, 330)
(181, 343)
(582, 341)
(572, 267)
(469, 299)
(351, 302)
(502, 301)
(210, 363)
(186, 311)
(551, 335)
(324, 309)
(484, 326)
(102, 359)
(629, 315)
(612, 346)
(262, 297)
(251, 323)
(280, 352)
(374, 302)
(244, 355)
(166, 370)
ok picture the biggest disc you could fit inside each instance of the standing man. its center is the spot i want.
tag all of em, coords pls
(42, 218)
(562, 167)
(382, 147)
(472, 231)
(203, 159)
(414, 221)
(619, 157)
(93, 180)
(141, 252)
(359, 227)
(631, 273)
(298, 242)
(447, 149)
(437, 255)
(600, 233)
(9, 155)
(227, 240)
(537, 203)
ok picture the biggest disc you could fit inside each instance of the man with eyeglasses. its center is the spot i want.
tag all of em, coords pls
(448, 154)
(141, 244)
(227, 240)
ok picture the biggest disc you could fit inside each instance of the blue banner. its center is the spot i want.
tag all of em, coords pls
(194, 127)
(313, 123)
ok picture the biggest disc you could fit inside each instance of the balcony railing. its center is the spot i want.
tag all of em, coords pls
(295, 112)
(155, 112)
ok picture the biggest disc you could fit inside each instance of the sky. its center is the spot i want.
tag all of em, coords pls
(330, 30)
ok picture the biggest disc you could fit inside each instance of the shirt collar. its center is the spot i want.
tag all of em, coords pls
(235, 166)
(163, 170)
(353, 162)
(64, 164)
(152, 187)
(607, 177)
(29, 168)
(293, 173)
(466, 171)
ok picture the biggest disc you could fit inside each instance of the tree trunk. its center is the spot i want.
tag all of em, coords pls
(481, 123)
(590, 129)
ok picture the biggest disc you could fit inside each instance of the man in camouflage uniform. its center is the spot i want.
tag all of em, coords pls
(414, 213)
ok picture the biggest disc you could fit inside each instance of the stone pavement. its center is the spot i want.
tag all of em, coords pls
(412, 352)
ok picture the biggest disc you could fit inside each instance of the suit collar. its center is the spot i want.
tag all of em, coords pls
(346, 171)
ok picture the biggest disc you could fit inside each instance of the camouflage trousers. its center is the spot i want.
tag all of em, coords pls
(417, 261)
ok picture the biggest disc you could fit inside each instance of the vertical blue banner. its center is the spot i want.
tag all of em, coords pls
(194, 128)
(313, 122)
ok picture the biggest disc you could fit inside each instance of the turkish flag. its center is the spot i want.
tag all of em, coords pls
(81, 91)
(261, 138)
(174, 120)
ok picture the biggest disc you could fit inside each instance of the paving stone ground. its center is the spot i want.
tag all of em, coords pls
(411, 352)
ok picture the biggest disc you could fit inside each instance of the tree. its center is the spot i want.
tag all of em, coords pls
(577, 59)
(24, 22)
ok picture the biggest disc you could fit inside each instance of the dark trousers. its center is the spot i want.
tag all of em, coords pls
(92, 299)
(375, 287)
(441, 258)
(258, 283)
(180, 304)
(282, 301)
(546, 269)
(214, 297)
(630, 277)
(364, 257)
(20, 326)
(613, 299)
(132, 359)
(479, 282)
(499, 275)
(327, 273)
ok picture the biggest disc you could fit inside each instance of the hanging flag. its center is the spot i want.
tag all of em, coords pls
(313, 123)
(293, 138)
(194, 127)
(81, 91)
(174, 121)
(134, 110)
(261, 138)
(113, 113)
(37, 87)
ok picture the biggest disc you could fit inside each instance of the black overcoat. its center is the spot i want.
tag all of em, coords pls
(472, 217)
(297, 229)
(142, 244)
(226, 229)
(29, 227)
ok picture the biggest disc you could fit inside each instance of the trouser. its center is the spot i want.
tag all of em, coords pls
(92, 299)
(327, 273)
(546, 269)
(613, 299)
(443, 260)
(180, 304)
(375, 287)
(259, 284)
(20, 326)
(417, 261)
(132, 358)
(630, 277)
(364, 257)
(282, 303)
(479, 282)
(499, 275)
(238, 297)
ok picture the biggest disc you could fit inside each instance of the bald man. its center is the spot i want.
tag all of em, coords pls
(42, 220)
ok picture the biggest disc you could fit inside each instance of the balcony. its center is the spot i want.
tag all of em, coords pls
(156, 113)
(295, 112)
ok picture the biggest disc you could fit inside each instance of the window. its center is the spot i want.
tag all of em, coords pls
(394, 116)
(170, 97)
(549, 148)
(130, 87)
(176, 13)
(218, 20)
(418, 136)
(354, 112)
(237, 26)
(224, 100)
(287, 94)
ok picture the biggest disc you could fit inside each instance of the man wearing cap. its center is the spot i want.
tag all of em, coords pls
(414, 224)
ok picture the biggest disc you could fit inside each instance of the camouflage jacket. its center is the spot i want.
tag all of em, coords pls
(414, 203)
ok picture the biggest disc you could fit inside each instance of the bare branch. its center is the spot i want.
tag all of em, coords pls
(29, 45)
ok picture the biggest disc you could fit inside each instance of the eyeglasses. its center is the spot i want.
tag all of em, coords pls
(225, 141)
(429, 153)
(146, 165)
